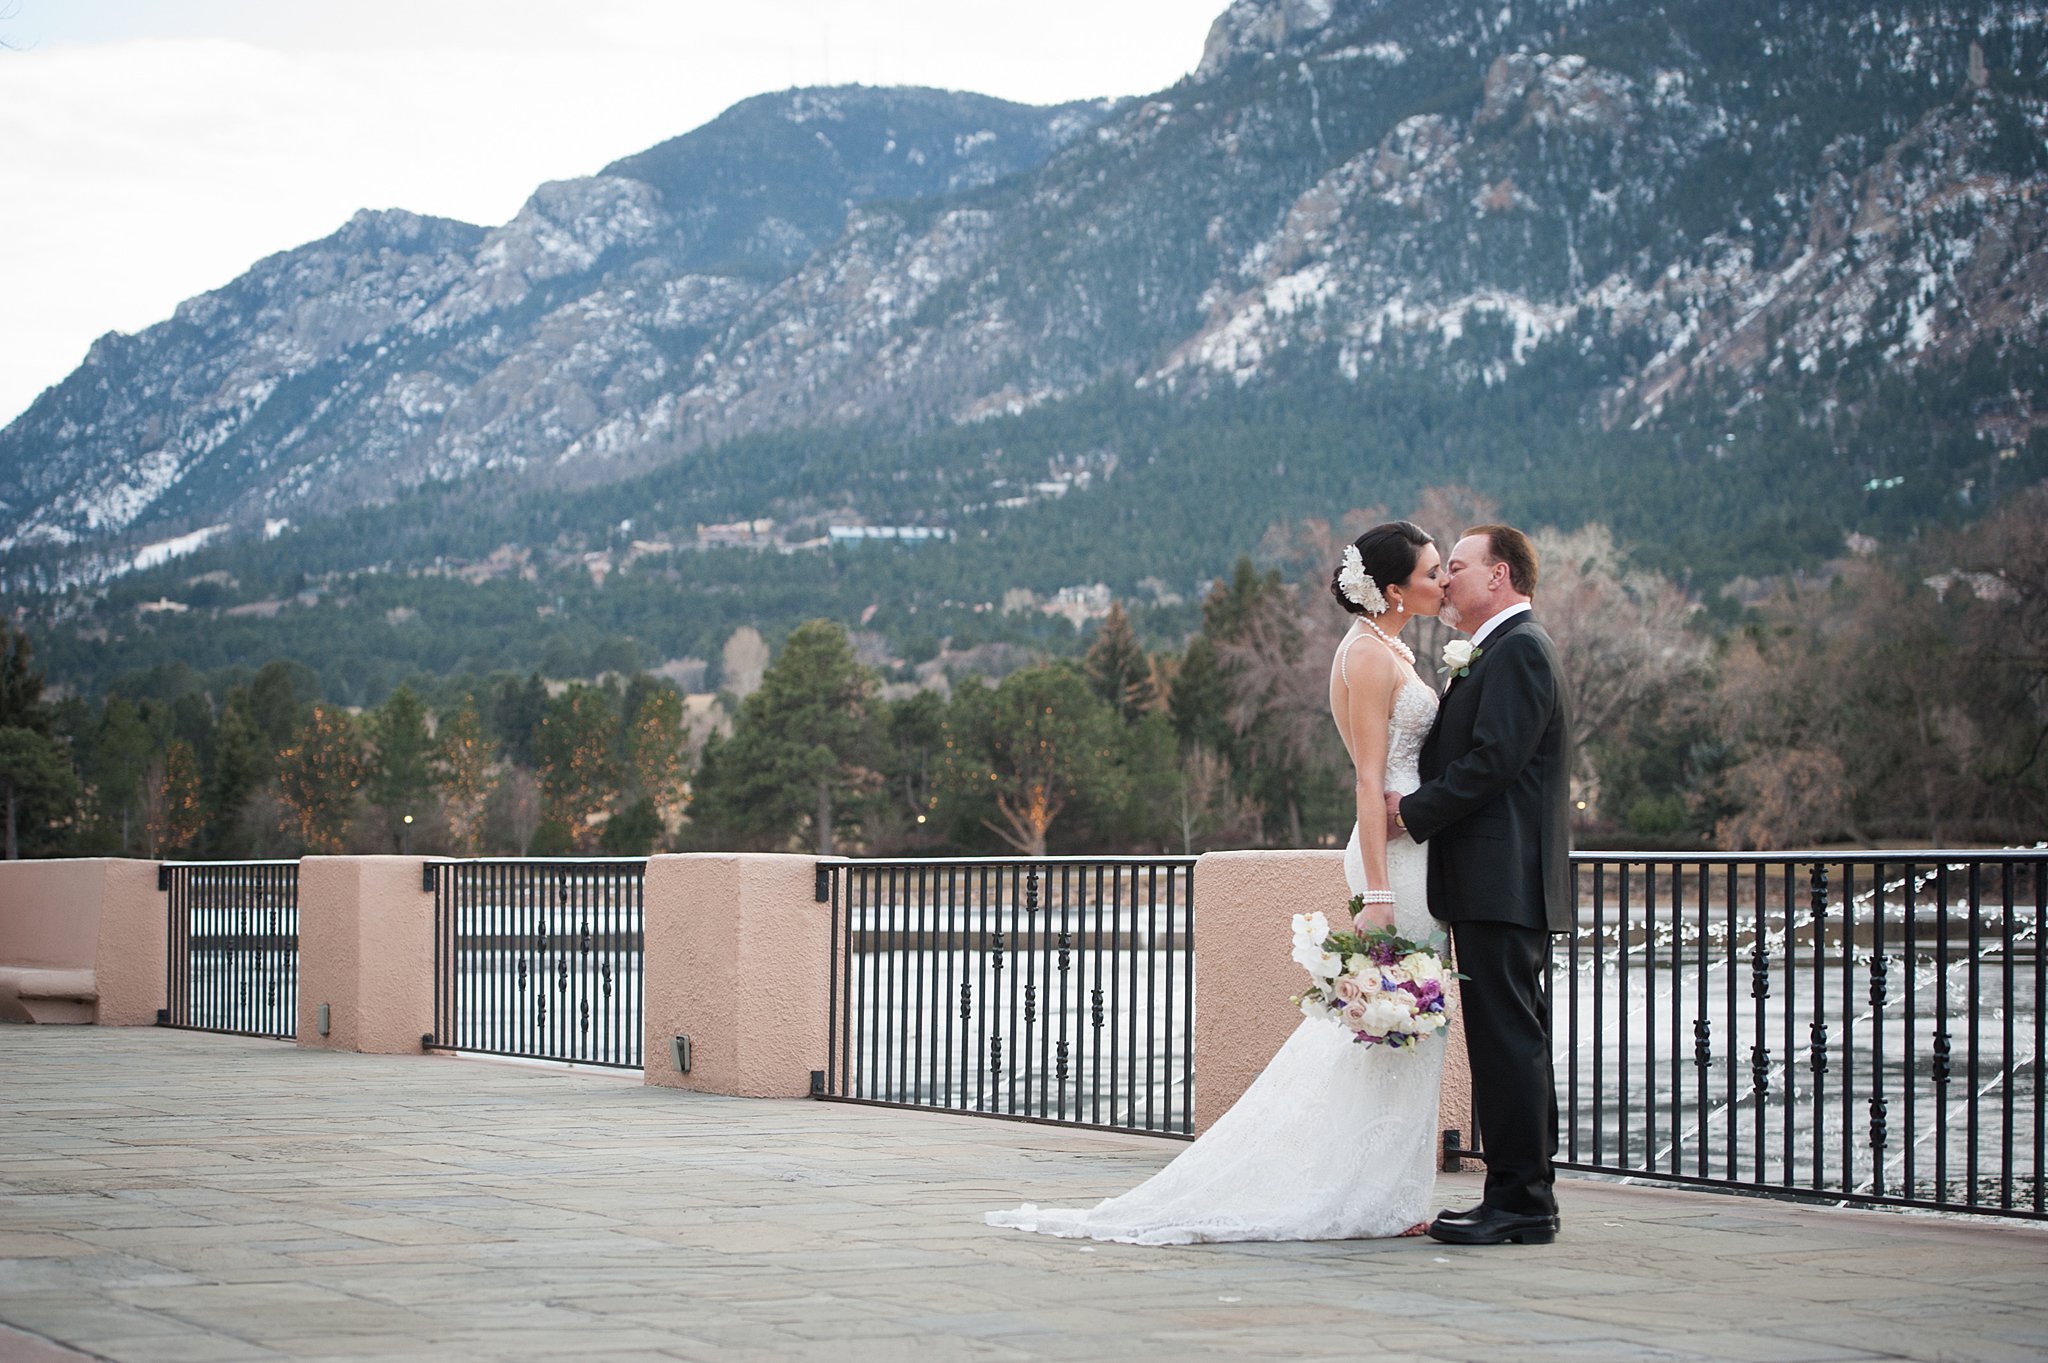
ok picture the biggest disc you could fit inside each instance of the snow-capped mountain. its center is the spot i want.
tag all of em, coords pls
(405, 349)
(1733, 196)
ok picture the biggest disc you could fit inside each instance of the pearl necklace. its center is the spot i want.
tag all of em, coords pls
(1401, 650)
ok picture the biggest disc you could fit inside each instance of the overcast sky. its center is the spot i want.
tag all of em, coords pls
(153, 149)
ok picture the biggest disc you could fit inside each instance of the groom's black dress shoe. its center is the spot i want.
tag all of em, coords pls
(1490, 1226)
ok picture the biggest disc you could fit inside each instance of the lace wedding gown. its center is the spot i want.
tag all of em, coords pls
(1333, 1140)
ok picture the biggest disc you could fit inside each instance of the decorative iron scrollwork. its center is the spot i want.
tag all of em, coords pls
(1030, 1004)
(1095, 1008)
(1759, 964)
(1759, 1070)
(1702, 1043)
(1817, 1047)
(1060, 1055)
(966, 1000)
(1941, 1054)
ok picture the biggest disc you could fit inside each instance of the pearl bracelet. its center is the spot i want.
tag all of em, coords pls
(1378, 896)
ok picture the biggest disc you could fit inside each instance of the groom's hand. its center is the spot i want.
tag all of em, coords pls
(1395, 828)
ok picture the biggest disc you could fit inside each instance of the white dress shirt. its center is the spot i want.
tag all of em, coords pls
(1520, 607)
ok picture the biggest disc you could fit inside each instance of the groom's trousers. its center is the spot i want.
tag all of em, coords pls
(1505, 996)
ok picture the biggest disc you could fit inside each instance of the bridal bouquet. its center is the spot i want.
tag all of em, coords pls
(1382, 988)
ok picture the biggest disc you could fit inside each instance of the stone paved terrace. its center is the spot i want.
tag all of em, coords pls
(169, 1197)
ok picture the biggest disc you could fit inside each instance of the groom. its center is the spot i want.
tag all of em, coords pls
(1493, 811)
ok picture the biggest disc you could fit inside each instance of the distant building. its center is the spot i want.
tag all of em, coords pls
(755, 534)
(1080, 604)
(910, 534)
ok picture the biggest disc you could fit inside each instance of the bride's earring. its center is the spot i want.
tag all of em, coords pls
(1400, 608)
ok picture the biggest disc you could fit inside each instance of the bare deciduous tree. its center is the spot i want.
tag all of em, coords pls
(1624, 635)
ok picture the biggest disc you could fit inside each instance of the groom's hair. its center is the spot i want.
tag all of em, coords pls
(1510, 546)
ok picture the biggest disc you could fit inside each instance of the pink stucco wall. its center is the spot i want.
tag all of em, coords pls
(738, 954)
(81, 940)
(134, 937)
(1245, 903)
(366, 949)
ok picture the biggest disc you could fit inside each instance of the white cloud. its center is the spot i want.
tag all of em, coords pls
(151, 152)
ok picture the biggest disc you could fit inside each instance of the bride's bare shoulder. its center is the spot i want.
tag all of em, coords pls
(1370, 664)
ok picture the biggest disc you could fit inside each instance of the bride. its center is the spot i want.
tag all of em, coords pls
(1334, 1140)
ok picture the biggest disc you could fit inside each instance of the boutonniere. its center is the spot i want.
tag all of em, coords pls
(1459, 655)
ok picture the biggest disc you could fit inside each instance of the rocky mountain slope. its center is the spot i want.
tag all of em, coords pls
(1735, 199)
(405, 349)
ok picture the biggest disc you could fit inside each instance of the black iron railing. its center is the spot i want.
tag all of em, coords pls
(1051, 988)
(539, 958)
(233, 962)
(1865, 1028)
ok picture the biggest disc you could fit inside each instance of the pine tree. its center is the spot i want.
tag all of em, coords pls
(277, 701)
(1199, 700)
(36, 781)
(516, 713)
(320, 776)
(655, 754)
(1117, 668)
(799, 750)
(578, 778)
(120, 756)
(400, 778)
(1032, 746)
(21, 686)
(175, 813)
(241, 762)
(462, 770)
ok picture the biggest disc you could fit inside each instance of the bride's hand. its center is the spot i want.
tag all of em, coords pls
(1373, 916)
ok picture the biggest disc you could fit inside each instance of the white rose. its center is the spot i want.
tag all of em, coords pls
(1382, 1015)
(1458, 654)
(1421, 967)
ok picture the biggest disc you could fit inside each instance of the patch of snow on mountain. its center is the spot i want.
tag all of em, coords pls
(163, 551)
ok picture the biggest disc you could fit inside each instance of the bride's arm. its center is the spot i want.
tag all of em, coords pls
(1372, 679)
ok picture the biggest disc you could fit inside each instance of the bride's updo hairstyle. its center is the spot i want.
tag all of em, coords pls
(1388, 552)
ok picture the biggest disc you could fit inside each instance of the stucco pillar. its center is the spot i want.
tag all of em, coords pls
(134, 942)
(738, 959)
(81, 940)
(1244, 976)
(366, 949)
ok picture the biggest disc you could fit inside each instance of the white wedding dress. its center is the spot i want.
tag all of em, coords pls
(1333, 1140)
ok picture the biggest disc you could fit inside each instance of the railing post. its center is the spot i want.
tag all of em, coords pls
(738, 950)
(81, 941)
(1245, 975)
(366, 949)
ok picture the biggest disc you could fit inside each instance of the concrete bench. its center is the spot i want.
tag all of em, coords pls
(29, 994)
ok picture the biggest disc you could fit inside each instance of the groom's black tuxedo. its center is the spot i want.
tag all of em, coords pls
(1494, 811)
(1494, 807)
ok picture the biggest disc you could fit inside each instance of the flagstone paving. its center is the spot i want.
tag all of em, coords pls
(169, 1196)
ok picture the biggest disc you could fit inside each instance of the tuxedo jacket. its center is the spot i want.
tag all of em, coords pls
(1494, 805)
